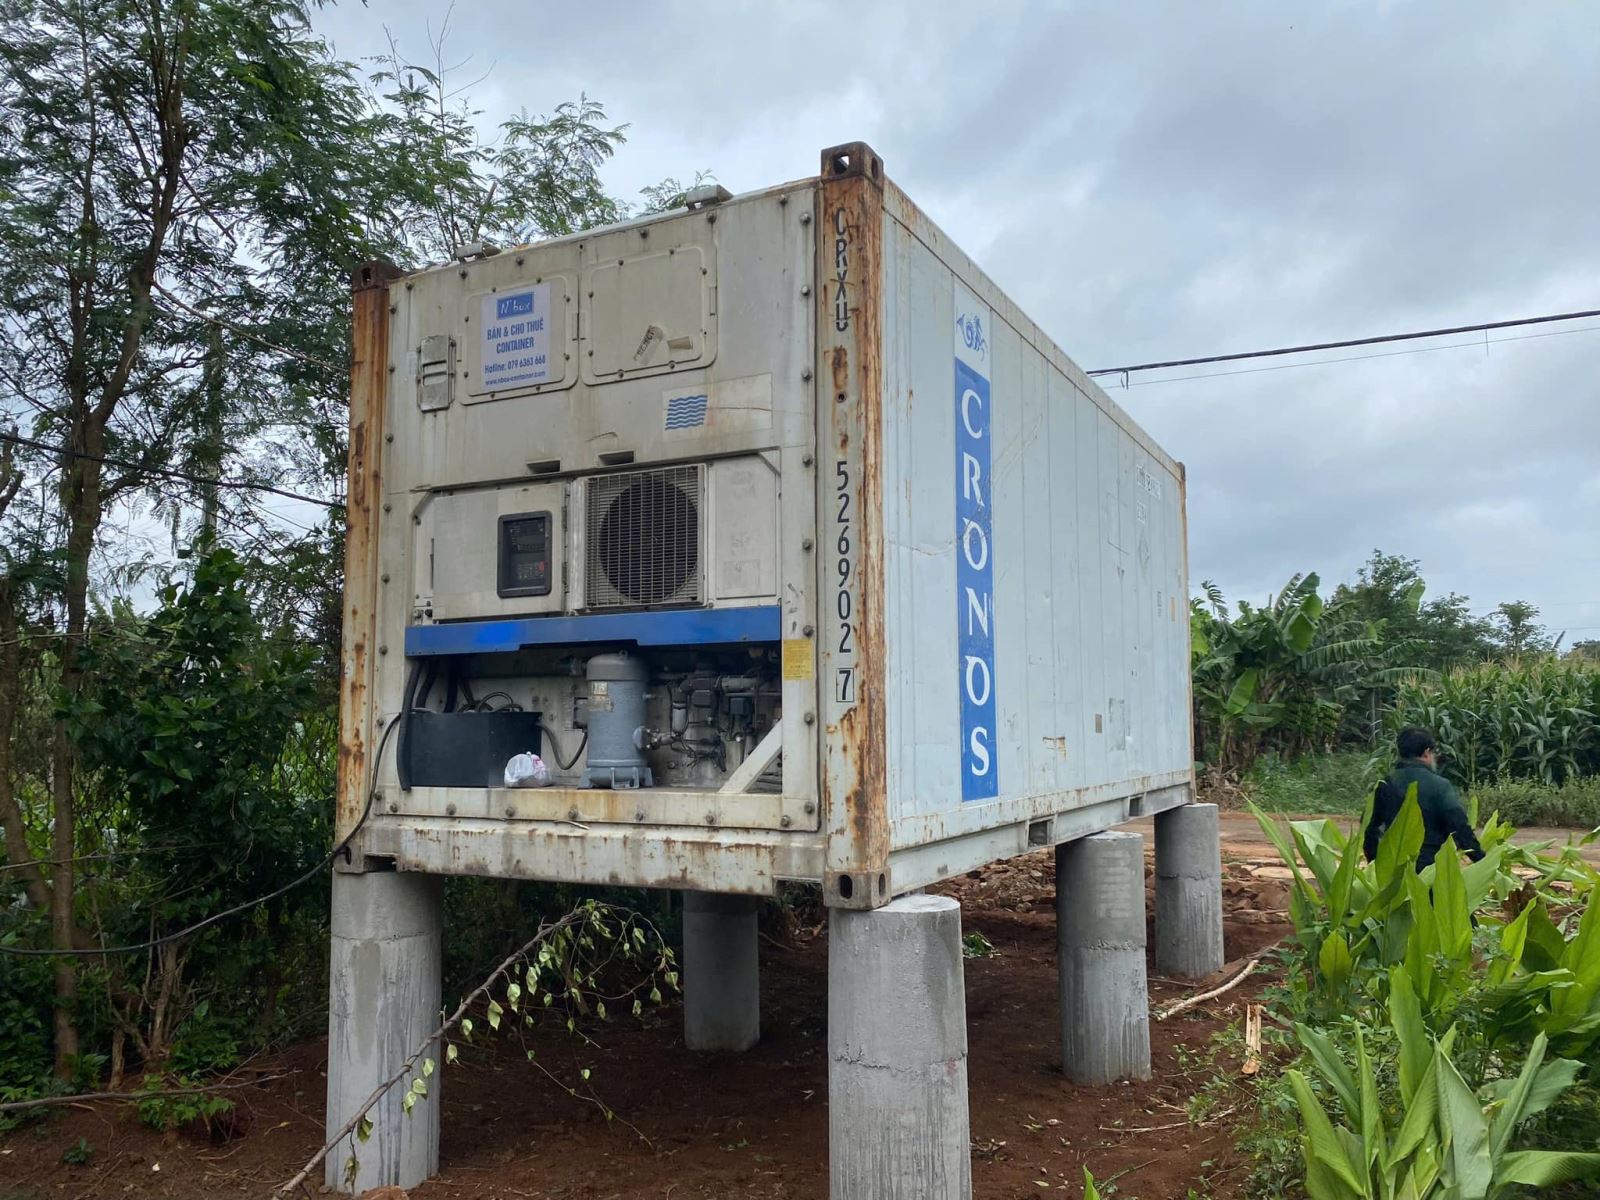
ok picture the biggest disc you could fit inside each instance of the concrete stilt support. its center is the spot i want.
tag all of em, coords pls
(1189, 892)
(1105, 1002)
(897, 1053)
(721, 976)
(383, 1000)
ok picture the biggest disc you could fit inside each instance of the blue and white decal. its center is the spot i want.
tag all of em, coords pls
(980, 779)
(516, 338)
(685, 412)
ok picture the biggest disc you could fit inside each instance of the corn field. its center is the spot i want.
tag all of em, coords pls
(1520, 720)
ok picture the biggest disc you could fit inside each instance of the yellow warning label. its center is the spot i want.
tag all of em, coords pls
(799, 658)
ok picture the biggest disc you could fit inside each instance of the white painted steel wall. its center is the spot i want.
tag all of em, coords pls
(1086, 646)
(1090, 609)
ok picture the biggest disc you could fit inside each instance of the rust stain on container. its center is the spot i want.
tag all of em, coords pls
(369, 375)
(855, 194)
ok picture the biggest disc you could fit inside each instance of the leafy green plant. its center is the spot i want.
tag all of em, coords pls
(1442, 1140)
(1356, 922)
(975, 945)
(1542, 982)
(1337, 782)
(1573, 802)
(78, 1154)
(168, 1111)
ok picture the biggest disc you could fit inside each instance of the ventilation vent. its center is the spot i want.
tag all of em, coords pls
(643, 536)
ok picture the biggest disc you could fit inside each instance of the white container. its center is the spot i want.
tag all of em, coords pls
(913, 588)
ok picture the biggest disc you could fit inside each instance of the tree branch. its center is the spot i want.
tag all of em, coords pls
(85, 1097)
(410, 1064)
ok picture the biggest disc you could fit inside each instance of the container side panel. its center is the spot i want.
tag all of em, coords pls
(1048, 737)
(1090, 632)
(920, 424)
(1076, 626)
(899, 715)
(1064, 616)
(1009, 546)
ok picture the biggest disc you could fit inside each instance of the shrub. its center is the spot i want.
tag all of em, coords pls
(1448, 930)
(1441, 1139)
(1525, 802)
(1340, 782)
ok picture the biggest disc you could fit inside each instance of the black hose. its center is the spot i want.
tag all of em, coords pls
(556, 747)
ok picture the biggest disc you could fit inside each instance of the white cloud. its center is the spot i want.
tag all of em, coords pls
(1168, 179)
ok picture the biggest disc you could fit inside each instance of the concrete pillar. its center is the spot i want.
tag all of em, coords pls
(1105, 1002)
(1189, 892)
(721, 975)
(897, 1053)
(383, 1000)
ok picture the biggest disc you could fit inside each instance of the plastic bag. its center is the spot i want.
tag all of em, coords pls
(527, 770)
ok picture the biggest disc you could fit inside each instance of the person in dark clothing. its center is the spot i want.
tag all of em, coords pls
(1443, 814)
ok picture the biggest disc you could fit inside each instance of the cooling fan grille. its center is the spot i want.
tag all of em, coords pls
(643, 538)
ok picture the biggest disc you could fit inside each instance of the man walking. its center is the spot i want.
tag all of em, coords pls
(1443, 814)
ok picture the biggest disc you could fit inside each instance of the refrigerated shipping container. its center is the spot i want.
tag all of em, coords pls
(792, 547)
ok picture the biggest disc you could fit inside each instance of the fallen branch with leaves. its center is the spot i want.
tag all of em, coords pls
(418, 1066)
(203, 1089)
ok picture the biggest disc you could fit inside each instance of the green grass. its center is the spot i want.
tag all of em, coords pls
(1339, 782)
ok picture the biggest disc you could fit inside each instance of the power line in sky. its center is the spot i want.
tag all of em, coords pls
(1379, 340)
(1350, 358)
(1307, 348)
(167, 472)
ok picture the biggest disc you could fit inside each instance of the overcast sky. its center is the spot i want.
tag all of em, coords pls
(1155, 181)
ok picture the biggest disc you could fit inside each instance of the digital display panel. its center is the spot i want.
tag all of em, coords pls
(524, 555)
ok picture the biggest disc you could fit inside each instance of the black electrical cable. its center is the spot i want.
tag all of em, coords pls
(342, 848)
(511, 705)
(1366, 341)
(167, 472)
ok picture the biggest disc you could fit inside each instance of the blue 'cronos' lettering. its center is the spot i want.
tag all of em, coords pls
(975, 583)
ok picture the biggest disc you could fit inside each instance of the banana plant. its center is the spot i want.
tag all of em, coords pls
(1278, 676)
(1445, 1143)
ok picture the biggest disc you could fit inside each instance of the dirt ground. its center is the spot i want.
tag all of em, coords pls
(748, 1126)
(1242, 837)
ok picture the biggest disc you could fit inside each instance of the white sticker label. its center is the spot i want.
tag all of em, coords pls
(516, 338)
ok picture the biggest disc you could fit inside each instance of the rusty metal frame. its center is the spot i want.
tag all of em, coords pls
(705, 808)
(369, 378)
(752, 862)
(850, 571)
